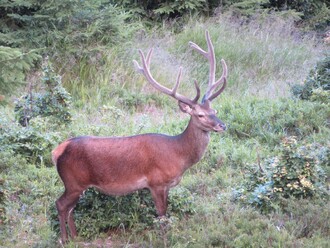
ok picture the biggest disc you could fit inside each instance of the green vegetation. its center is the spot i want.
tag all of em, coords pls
(296, 172)
(317, 85)
(263, 183)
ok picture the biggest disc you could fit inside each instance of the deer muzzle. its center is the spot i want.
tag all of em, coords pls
(219, 126)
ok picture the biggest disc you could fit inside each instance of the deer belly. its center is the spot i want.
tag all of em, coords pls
(122, 188)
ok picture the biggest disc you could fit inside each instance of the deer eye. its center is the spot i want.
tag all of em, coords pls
(201, 115)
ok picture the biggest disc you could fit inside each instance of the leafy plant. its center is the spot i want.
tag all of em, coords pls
(296, 172)
(28, 142)
(36, 135)
(55, 101)
(316, 84)
(96, 213)
(179, 7)
(249, 7)
(66, 25)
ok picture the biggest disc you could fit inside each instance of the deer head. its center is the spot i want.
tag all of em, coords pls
(201, 114)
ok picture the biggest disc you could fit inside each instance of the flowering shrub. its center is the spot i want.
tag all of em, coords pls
(296, 172)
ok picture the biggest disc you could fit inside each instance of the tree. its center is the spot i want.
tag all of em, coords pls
(13, 65)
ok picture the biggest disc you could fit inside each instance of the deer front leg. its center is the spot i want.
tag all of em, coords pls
(160, 195)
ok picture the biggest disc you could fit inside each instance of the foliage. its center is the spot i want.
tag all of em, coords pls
(179, 7)
(38, 114)
(8, 163)
(68, 24)
(158, 10)
(14, 63)
(30, 28)
(28, 142)
(3, 202)
(249, 7)
(267, 121)
(96, 213)
(317, 83)
(296, 172)
(28, 192)
(313, 14)
(55, 101)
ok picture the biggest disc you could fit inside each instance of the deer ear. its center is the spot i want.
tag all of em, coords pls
(185, 107)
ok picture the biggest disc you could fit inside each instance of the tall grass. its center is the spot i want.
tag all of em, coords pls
(264, 58)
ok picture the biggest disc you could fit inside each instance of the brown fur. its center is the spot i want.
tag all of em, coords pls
(121, 165)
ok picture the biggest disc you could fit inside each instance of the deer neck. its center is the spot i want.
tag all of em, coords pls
(193, 143)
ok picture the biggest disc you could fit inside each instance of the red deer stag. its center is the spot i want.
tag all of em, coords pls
(121, 165)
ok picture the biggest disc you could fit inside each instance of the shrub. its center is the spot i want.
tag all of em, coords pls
(96, 213)
(55, 101)
(28, 142)
(316, 83)
(321, 95)
(296, 172)
(33, 143)
(68, 24)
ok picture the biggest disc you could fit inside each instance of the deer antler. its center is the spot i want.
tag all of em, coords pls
(210, 55)
(145, 70)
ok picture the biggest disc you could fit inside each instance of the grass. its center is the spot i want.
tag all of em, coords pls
(110, 98)
(278, 58)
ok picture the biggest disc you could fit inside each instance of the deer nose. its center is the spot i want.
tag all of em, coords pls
(221, 126)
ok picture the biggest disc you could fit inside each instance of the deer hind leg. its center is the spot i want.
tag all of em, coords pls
(65, 205)
(160, 195)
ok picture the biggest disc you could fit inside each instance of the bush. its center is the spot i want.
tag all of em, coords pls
(317, 84)
(320, 95)
(55, 101)
(68, 24)
(38, 114)
(296, 172)
(96, 213)
(28, 142)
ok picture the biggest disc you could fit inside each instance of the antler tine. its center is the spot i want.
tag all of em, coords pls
(177, 82)
(145, 70)
(214, 95)
(198, 91)
(210, 55)
(222, 80)
(149, 57)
